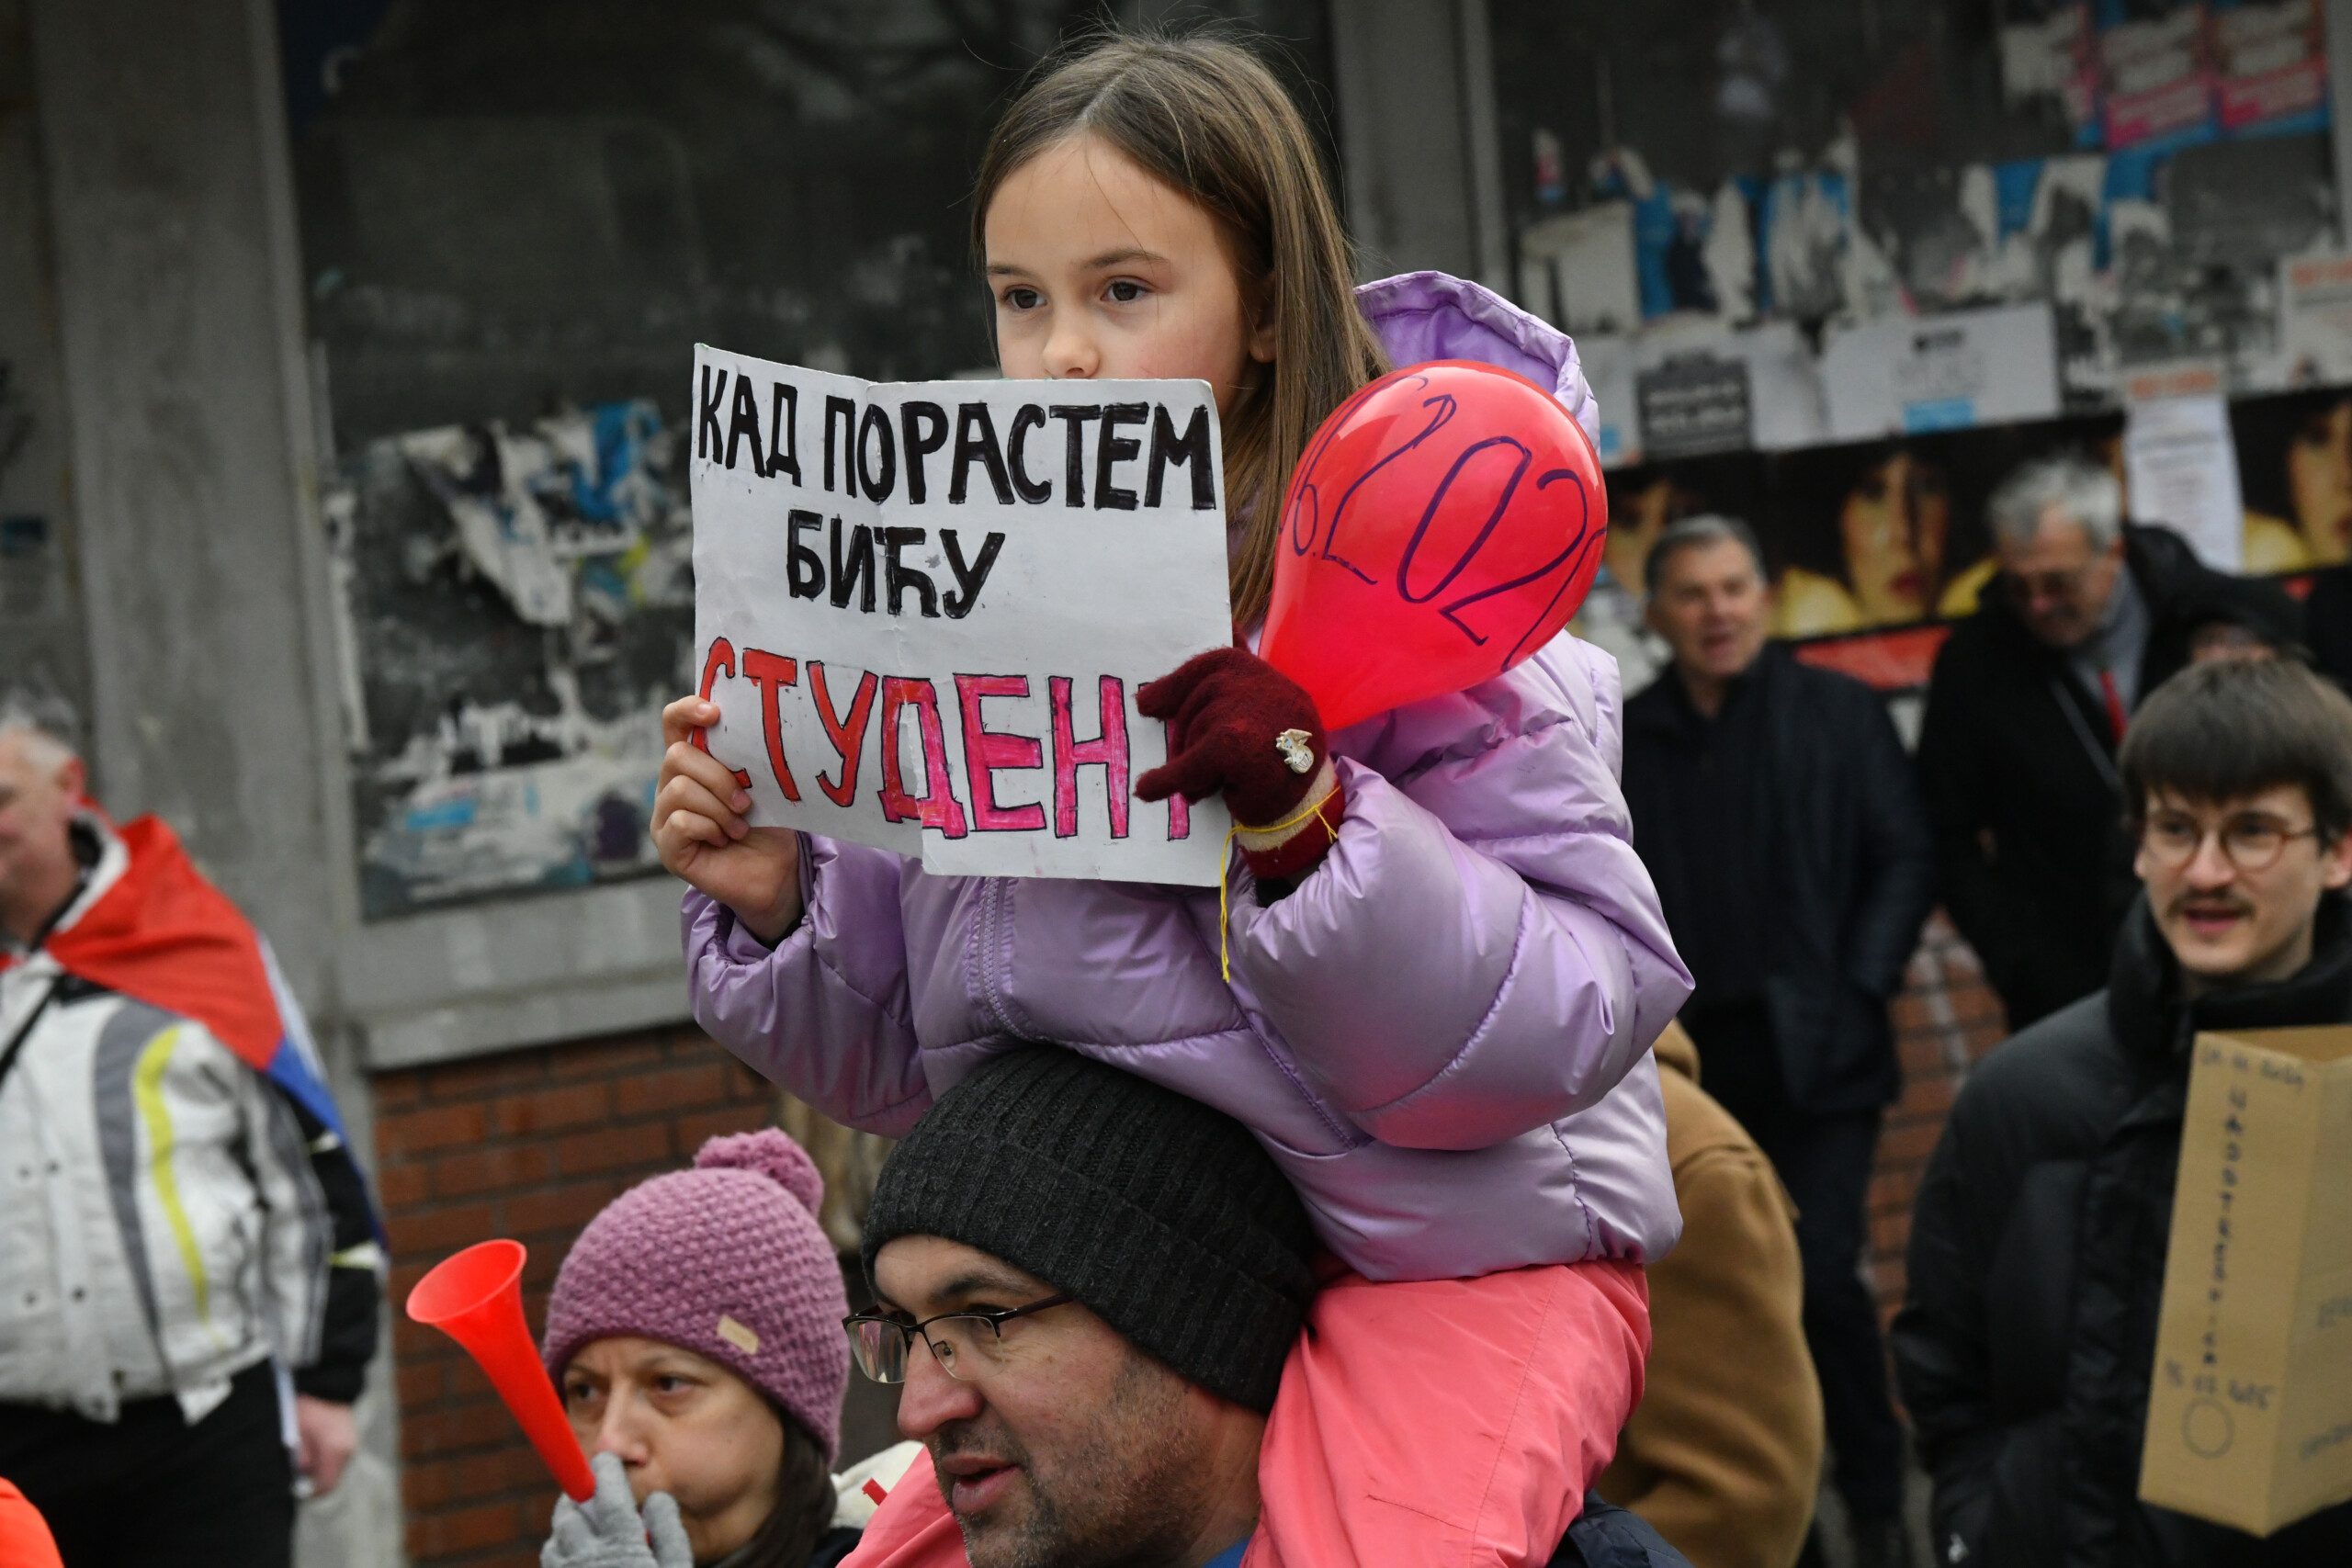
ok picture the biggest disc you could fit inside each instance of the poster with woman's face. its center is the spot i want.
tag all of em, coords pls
(2295, 471)
(1864, 536)
(1870, 546)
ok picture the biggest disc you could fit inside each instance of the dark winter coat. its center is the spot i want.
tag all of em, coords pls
(2328, 619)
(2036, 1270)
(1852, 866)
(2017, 765)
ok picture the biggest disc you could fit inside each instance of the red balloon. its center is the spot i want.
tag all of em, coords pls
(1444, 523)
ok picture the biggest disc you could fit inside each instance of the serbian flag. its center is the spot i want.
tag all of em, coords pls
(164, 935)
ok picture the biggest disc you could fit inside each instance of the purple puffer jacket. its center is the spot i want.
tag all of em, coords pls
(1442, 1035)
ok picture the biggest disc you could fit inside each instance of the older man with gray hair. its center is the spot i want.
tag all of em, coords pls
(2028, 701)
(189, 1266)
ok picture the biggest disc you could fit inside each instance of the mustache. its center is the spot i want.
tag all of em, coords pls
(973, 1438)
(2208, 904)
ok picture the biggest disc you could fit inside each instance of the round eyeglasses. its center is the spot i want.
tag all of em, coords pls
(963, 1343)
(2250, 841)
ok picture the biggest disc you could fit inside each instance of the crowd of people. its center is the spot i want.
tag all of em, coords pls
(1484, 1185)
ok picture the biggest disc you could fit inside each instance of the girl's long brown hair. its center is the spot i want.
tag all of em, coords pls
(1205, 115)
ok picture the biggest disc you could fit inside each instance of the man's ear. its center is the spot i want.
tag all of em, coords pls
(2335, 863)
(73, 779)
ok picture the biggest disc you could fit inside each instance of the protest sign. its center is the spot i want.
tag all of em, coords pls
(2250, 1403)
(924, 609)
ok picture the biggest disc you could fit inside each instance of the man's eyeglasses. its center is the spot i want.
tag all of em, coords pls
(2026, 589)
(2252, 840)
(963, 1343)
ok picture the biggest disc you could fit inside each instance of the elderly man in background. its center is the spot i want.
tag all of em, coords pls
(188, 1270)
(1722, 1456)
(2028, 701)
(1773, 805)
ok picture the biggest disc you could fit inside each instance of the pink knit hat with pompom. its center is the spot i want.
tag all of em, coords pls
(726, 1260)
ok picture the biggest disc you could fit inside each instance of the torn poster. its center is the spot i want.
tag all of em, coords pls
(1693, 384)
(925, 608)
(514, 607)
(1903, 376)
(2317, 317)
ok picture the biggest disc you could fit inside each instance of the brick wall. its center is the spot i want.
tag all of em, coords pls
(1945, 1019)
(528, 1144)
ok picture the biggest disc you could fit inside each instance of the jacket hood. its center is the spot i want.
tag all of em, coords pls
(1677, 1051)
(2152, 1024)
(1422, 316)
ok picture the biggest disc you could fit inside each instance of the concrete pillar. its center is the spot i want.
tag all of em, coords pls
(202, 574)
(179, 315)
(2337, 20)
(1415, 85)
(40, 617)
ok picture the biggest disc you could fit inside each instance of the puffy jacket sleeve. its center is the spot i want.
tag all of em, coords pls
(824, 1014)
(1481, 952)
(321, 1260)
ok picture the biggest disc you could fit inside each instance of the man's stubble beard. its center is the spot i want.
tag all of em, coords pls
(1130, 1494)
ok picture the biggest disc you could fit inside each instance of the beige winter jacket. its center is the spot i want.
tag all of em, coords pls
(1724, 1455)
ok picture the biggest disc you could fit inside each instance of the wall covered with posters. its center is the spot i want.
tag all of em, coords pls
(1872, 545)
(1838, 267)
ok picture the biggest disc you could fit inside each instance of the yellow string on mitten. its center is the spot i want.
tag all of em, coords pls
(1224, 913)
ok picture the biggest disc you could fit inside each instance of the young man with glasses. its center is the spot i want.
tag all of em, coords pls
(2029, 698)
(2036, 1256)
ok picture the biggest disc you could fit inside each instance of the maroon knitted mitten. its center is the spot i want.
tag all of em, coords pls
(1238, 726)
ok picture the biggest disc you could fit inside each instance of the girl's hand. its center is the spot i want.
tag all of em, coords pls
(1239, 726)
(703, 839)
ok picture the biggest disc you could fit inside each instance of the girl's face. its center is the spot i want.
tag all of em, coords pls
(1099, 271)
(1893, 526)
(2319, 472)
(684, 1425)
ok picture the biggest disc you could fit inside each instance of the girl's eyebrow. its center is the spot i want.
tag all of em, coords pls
(1115, 258)
(1092, 264)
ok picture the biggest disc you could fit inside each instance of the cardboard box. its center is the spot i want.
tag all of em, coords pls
(2250, 1409)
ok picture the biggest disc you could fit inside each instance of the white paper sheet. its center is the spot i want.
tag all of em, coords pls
(1898, 375)
(925, 609)
(2181, 469)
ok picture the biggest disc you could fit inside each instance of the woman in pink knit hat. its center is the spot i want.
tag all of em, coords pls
(695, 1331)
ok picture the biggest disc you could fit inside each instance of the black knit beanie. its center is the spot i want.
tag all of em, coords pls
(1161, 1217)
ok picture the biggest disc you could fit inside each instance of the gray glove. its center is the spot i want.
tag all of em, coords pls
(607, 1532)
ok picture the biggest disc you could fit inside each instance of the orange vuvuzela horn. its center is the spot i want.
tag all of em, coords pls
(476, 1298)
